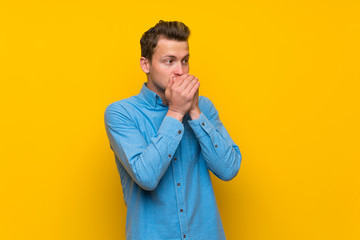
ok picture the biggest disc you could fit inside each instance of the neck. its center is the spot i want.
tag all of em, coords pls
(158, 91)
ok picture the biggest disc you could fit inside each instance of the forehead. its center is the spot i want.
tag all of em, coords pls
(171, 47)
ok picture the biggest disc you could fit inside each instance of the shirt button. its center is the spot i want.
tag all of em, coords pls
(181, 210)
(169, 155)
(215, 145)
(175, 159)
(178, 184)
(184, 236)
(157, 97)
(179, 132)
(203, 124)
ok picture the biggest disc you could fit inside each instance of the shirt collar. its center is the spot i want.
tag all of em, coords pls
(150, 97)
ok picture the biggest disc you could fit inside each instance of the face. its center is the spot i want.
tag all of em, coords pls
(170, 59)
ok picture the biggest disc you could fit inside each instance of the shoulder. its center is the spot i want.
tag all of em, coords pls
(126, 104)
(121, 108)
(206, 105)
(204, 101)
(119, 105)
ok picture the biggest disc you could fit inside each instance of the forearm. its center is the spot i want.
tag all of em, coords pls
(221, 154)
(146, 163)
(149, 166)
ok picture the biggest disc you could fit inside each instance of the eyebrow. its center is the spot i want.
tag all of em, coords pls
(172, 56)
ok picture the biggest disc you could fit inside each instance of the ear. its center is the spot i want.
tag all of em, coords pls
(145, 65)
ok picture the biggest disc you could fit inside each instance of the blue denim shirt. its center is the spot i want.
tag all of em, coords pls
(164, 167)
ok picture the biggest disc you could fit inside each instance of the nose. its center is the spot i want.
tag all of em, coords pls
(179, 69)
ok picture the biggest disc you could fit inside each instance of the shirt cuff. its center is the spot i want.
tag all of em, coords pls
(201, 126)
(172, 128)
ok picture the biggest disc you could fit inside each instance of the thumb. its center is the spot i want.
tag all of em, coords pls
(170, 82)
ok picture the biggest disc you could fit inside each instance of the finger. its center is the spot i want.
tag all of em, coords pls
(170, 83)
(178, 80)
(186, 82)
(183, 78)
(195, 88)
(191, 85)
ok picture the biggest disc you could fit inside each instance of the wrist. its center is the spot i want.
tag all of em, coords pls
(195, 113)
(175, 114)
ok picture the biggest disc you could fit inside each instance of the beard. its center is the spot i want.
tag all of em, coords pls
(156, 85)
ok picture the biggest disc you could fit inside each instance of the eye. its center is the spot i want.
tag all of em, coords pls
(169, 61)
(185, 60)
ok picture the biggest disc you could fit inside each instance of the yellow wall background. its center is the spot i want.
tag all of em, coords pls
(284, 76)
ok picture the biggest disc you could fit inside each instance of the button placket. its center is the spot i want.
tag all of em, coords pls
(180, 196)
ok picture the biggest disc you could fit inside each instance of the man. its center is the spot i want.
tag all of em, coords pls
(165, 141)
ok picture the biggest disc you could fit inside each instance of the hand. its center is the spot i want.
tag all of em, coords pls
(195, 110)
(180, 91)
